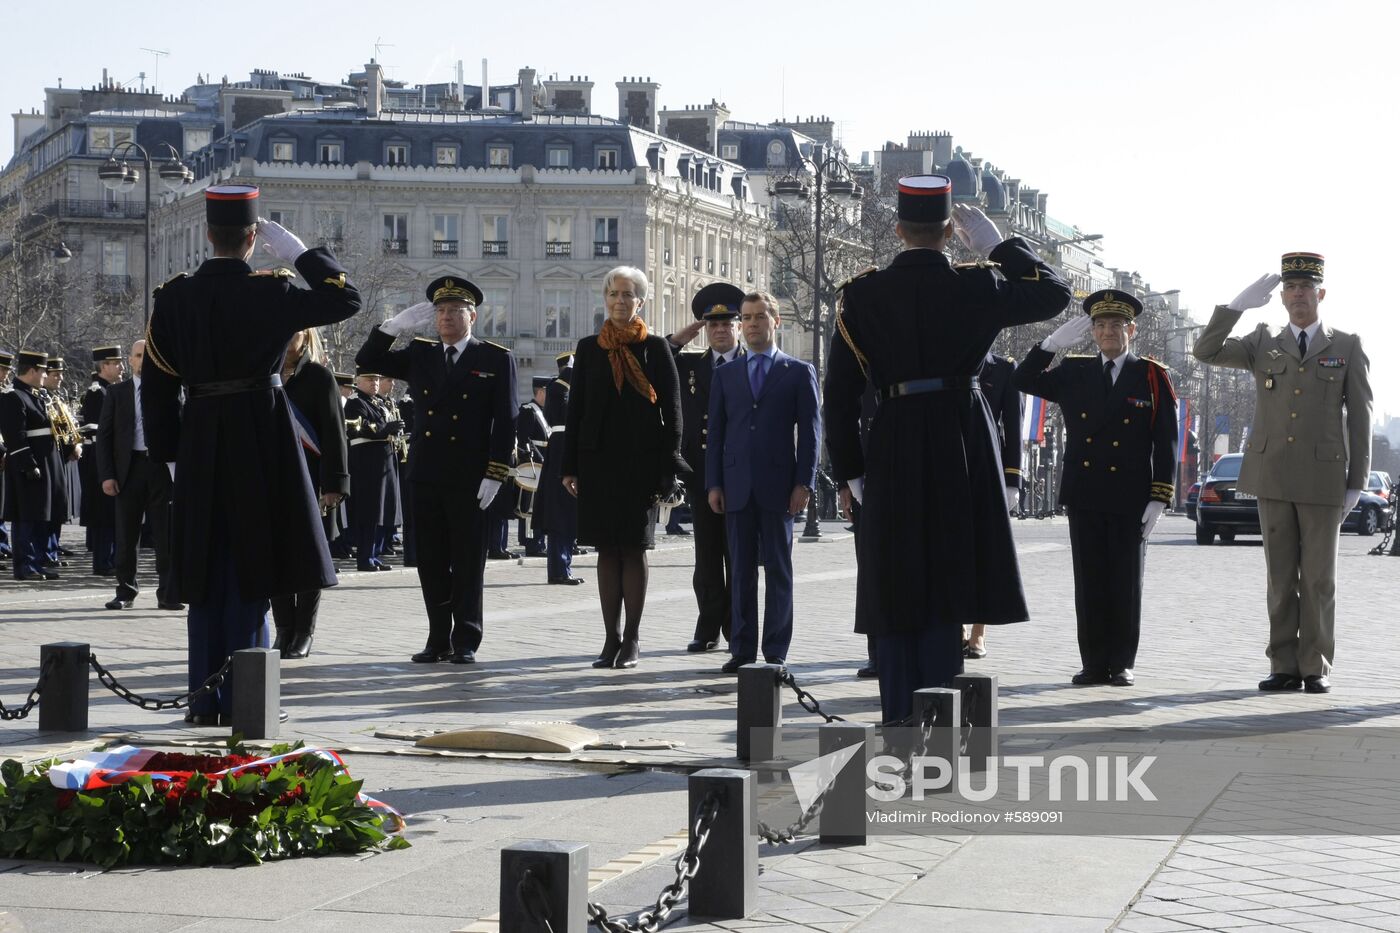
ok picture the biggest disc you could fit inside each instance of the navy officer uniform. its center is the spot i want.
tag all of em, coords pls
(935, 550)
(1120, 416)
(35, 491)
(246, 523)
(97, 512)
(371, 457)
(463, 434)
(555, 511)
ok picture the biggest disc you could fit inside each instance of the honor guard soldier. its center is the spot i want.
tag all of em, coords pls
(716, 310)
(1120, 459)
(464, 429)
(338, 530)
(240, 535)
(1308, 458)
(35, 495)
(98, 512)
(918, 332)
(555, 511)
(371, 458)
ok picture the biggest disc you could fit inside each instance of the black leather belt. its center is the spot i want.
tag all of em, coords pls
(924, 386)
(234, 386)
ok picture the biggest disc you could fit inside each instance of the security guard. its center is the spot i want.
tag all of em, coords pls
(98, 512)
(716, 310)
(918, 332)
(555, 511)
(1308, 458)
(371, 458)
(239, 535)
(1120, 459)
(34, 489)
(464, 430)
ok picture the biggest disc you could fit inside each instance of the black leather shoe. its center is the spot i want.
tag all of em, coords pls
(300, 647)
(202, 719)
(171, 607)
(567, 581)
(463, 657)
(697, 646)
(1089, 678)
(870, 670)
(733, 664)
(1123, 678)
(774, 659)
(1317, 683)
(628, 654)
(1281, 682)
(608, 656)
(119, 603)
(530, 552)
(678, 531)
(501, 555)
(431, 655)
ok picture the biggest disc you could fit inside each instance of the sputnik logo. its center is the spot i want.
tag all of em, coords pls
(811, 778)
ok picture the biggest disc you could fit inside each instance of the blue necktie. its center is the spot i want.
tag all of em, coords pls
(757, 373)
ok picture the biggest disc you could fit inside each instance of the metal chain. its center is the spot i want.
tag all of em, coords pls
(920, 750)
(1393, 509)
(156, 704)
(7, 715)
(777, 837)
(649, 921)
(808, 702)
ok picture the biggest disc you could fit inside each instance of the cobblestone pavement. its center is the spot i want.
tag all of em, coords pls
(1201, 655)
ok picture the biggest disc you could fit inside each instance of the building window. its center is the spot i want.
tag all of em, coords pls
(445, 240)
(608, 157)
(396, 154)
(495, 237)
(558, 312)
(498, 156)
(330, 153)
(559, 235)
(493, 316)
(330, 227)
(558, 156)
(777, 153)
(287, 219)
(605, 238)
(284, 151)
(113, 257)
(196, 139)
(729, 151)
(446, 155)
(600, 315)
(102, 139)
(396, 234)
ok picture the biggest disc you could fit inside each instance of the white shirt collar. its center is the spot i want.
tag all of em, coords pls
(726, 357)
(1312, 330)
(461, 346)
(1117, 361)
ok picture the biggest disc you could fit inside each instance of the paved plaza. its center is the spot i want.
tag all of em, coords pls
(1201, 656)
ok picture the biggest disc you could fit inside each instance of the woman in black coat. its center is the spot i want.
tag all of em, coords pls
(622, 453)
(315, 400)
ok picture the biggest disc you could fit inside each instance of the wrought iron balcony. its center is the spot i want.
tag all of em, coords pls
(604, 249)
(495, 247)
(113, 284)
(396, 247)
(444, 247)
(709, 265)
(748, 276)
(724, 268)
(559, 249)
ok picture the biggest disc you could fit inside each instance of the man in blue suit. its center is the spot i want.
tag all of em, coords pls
(758, 479)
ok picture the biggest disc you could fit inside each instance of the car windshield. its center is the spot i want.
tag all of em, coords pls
(1226, 468)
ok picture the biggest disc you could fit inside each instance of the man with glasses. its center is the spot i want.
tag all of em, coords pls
(1308, 458)
(1120, 415)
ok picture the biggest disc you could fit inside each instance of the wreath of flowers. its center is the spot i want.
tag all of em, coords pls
(130, 806)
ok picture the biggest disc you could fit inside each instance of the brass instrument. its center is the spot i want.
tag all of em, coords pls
(398, 441)
(61, 421)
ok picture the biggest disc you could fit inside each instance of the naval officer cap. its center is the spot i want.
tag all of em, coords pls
(231, 205)
(718, 301)
(925, 199)
(1302, 266)
(361, 372)
(1112, 303)
(55, 364)
(344, 379)
(454, 288)
(540, 382)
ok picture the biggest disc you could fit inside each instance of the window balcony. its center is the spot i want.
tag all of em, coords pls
(724, 268)
(604, 249)
(396, 247)
(558, 250)
(444, 247)
(709, 265)
(113, 284)
(496, 248)
(696, 263)
(748, 276)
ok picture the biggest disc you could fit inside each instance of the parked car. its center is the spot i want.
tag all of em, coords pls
(1379, 484)
(1192, 495)
(1223, 509)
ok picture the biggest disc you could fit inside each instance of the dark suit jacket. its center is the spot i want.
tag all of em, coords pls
(116, 433)
(751, 452)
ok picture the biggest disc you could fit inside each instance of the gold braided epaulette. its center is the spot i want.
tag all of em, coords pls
(490, 343)
(274, 273)
(859, 275)
(977, 264)
(173, 278)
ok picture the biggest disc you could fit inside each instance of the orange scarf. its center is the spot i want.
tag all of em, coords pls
(615, 339)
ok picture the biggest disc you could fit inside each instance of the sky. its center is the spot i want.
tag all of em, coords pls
(1202, 139)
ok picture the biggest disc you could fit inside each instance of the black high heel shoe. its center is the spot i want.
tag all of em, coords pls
(608, 656)
(628, 655)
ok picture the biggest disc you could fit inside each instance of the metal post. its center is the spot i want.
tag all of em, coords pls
(844, 820)
(726, 882)
(943, 707)
(759, 713)
(813, 528)
(146, 288)
(559, 872)
(979, 702)
(257, 689)
(63, 702)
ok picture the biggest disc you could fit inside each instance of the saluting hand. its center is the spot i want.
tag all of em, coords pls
(1069, 334)
(1256, 295)
(686, 334)
(279, 241)
(975, 229)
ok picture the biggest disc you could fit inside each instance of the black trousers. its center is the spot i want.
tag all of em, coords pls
(146, 494)
(450, 532)
(713, 574)
(1108, 553)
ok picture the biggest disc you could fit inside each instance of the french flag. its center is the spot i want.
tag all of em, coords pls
(1033, 425)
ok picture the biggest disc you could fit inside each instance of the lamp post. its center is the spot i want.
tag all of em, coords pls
(831, 178)
(119, 176)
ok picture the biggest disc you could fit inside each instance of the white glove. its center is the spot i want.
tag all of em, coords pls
(279, 241)
(1349, 501)
(1150, 515)
(857, 488)
(977, 232)
(487, 493)
(1069, 334)
(414, 317)
(1013, 498)
(1257, 295)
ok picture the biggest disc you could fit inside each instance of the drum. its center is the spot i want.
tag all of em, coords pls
(527, 482)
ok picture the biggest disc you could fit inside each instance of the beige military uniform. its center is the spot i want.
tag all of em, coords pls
(1310, 443)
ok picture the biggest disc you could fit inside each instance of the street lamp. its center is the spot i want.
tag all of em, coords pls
(122, 177)
(831, 178)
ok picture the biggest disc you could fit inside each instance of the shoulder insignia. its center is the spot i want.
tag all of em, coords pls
(274, 273)
(173, 278)
(859, 275)
(1033, 277)
(154, 354)
(846, 336)
(562, 383)
(337, 280)
(427, 340)
(491, 343)
(978, 264)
